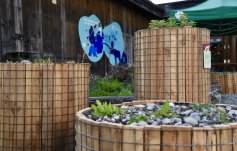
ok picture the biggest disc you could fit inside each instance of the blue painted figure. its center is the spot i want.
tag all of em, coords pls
(115, 52)
(96, 42)
(124, 59)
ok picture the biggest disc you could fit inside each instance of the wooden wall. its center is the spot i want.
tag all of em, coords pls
(51, 29)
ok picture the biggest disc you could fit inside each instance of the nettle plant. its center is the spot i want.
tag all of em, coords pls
(181, 20)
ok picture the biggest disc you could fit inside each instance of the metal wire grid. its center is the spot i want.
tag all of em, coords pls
(89, 138)
(38, 103)
(169, 65)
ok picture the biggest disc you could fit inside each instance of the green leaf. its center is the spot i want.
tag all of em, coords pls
(98, 103)
(165, 109)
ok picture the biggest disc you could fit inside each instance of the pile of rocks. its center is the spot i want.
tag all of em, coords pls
(181, 114)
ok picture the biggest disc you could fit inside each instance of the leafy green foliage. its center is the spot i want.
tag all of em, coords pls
(110, 87)
(222, 116)
(184, 21)
(137, 118)
(198, 106)
(125, 92)
(43, 61)
(105, 109)
(165, 111)
(157, 24)
(172, 22)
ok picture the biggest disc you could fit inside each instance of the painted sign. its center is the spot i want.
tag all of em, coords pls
(96, 41)
(91, 36)
(114, 44)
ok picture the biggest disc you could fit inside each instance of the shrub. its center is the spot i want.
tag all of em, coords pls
(110, 87)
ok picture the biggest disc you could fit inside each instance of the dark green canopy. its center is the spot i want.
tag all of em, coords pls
(211, 9)
(218, 15)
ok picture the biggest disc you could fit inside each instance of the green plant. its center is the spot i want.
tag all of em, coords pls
(198, 106)
(105, 109)
(43, 61)
(157, 24)
(182, 21)
(110, 87)
(137, 118)
(165, 111)
(222, 116)
(125, 92)
(172, 22)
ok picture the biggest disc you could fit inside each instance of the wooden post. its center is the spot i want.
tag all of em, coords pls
(39, 28)
(18, 28)
(63, 29)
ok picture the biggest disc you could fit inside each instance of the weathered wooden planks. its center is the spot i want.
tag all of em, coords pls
(38, 104)
(92, 135)
(169, 64)
(227, 81)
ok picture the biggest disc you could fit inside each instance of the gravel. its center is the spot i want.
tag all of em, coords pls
(188, 115)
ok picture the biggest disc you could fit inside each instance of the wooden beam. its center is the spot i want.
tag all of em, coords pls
(18, 25)
(63, 29)
(39, 28)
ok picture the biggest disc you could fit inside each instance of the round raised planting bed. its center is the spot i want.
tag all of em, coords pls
(38, 103)
(169, 64)
(107, 136)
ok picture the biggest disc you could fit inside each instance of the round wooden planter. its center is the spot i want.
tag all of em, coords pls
(169, 64)
(227, 81)
(38, 104)
(104, 136)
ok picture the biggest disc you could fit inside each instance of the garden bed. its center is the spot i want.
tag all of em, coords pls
(38, 103)
(99, 134)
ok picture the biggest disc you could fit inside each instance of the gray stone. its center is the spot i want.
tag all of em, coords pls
(26, 62)
(134, 124)
(195, 116)
(150, 107)
(142, 123)
(159, 120)
(190, 120)
(140, 113)
(139, 106)
(178, 123)
(150, 121)
(124, 107)
(231, 112)
(99, 120)
(183, 107)
(171, 104)
(154, 123)
(177, 120)
(152, 117)
(166, 121)
(116, 117)
(124, 121)
(186, 113)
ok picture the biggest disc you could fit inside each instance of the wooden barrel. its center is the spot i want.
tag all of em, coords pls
(104, 136)
(38, 105)
(169, 64)
(227, 81)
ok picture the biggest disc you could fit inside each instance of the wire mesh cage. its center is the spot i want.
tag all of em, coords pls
(169, 64)
(105, 136)
(38, 105)
(227, 81)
